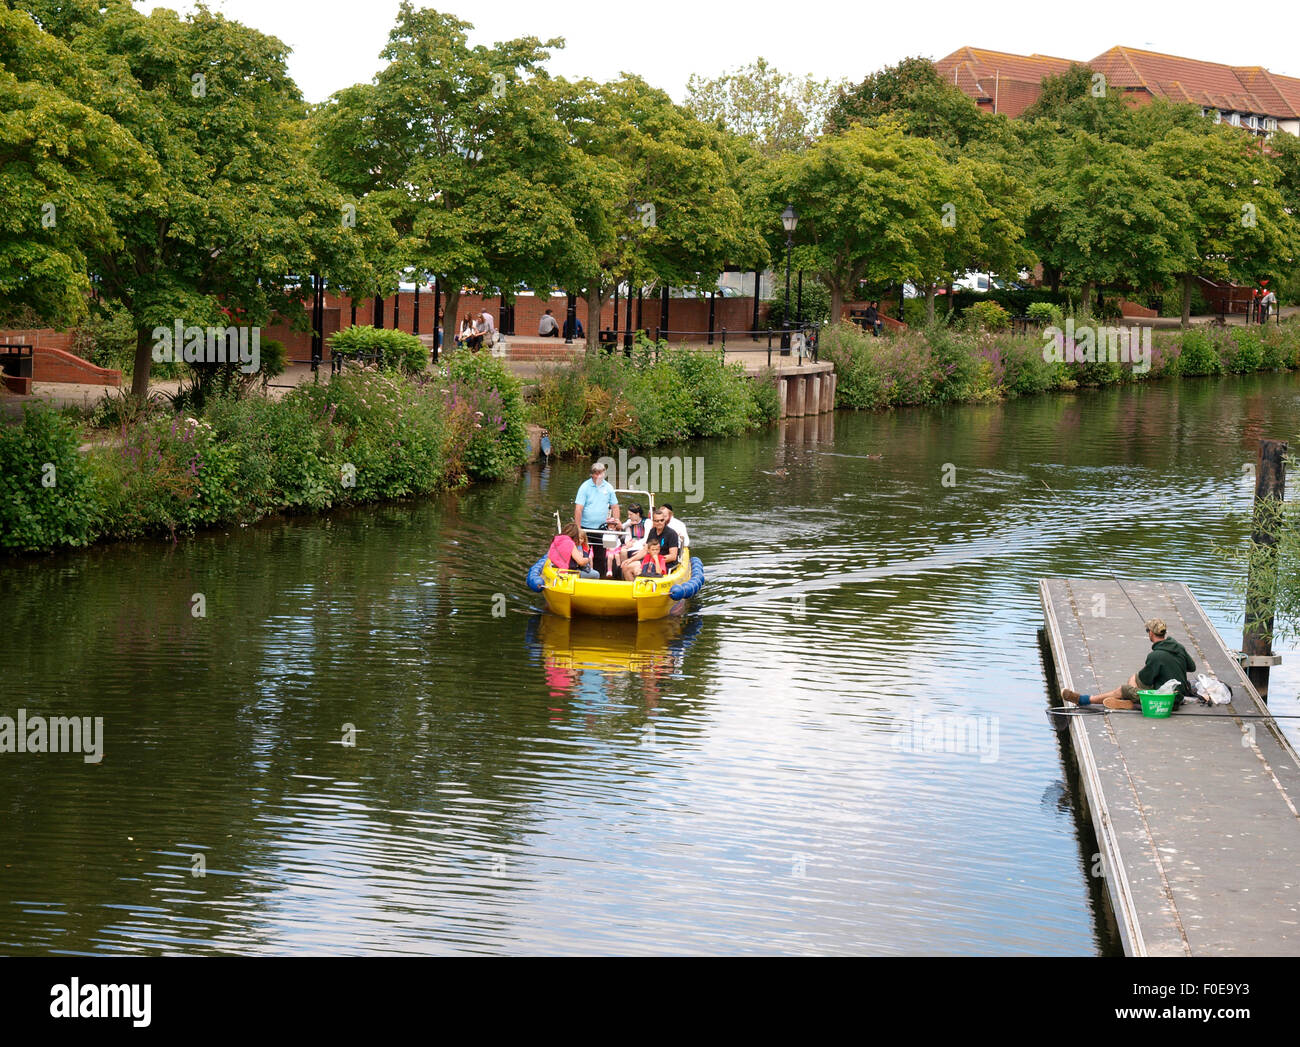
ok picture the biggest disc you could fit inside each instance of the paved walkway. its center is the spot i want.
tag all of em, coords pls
(754, 355)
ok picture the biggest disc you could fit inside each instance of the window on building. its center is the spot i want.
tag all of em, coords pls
(1253, 122)
(1235, 119)
(1218, 116)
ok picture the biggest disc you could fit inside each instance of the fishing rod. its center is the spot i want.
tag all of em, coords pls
(1094, 710)
(1126, 596)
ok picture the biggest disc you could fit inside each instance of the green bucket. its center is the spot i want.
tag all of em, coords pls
(1156, 705)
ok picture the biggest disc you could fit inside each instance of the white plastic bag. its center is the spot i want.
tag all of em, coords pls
(1213, 691)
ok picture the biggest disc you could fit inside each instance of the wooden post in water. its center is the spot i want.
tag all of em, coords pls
(1261, 585)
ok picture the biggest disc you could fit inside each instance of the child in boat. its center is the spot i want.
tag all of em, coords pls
(569, 552)
(634, 531)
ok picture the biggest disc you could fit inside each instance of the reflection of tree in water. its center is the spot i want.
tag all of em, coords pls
(222, 734)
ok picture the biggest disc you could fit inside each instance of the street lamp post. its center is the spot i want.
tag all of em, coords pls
(790, 220)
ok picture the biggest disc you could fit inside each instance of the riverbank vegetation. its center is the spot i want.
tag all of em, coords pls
(986, 362)
(365, 436)
(605, 401)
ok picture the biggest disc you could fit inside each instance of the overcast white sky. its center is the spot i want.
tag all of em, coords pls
(336, 42)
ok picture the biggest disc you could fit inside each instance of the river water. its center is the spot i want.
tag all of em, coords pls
(373, 742)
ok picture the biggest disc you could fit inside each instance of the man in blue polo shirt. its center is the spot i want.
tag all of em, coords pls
(595, 503)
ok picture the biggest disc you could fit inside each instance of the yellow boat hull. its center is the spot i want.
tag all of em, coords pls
(568, 594)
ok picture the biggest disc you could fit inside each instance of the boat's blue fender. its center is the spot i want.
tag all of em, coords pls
(535, 581)
(685, 590)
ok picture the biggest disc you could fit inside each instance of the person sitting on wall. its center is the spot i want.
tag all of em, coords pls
(547, 327)
(485, 329)
(873, 319)
(577, 331)
(469, 337)
(659, 554)
(1168, 660)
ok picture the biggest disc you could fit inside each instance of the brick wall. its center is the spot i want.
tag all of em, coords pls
(684, 314)
(53, 360)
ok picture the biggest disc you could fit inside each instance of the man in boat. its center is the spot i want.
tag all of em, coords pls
(595, 503)
(1168, 660)
(661, 548)
(677, 526)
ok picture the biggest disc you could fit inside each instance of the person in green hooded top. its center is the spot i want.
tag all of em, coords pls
(1168, 660)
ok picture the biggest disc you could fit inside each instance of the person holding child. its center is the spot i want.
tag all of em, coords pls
(634, 533)
(569, 551)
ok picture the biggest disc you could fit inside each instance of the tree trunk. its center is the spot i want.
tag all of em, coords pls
(1187, 301)
(837, 304)
(595, 302)
(1055, 280)
(449, 319)
(1085, 299)
(143, 360)
(929, 303)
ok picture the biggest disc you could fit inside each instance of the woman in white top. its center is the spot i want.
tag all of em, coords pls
(634, 532)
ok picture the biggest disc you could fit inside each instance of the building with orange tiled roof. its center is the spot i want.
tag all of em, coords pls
(1245, 96)
(997, 81)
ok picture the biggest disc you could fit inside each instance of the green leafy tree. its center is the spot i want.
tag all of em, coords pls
(461, 148)
(1239, 226)
(64, 165)
(238, 219)
(865, 203)
(913, 95)
(775, 111)
(1103, 214)
(1080, 100)
(670, 212)
(976, 222)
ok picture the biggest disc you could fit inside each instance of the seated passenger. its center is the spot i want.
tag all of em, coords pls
(634, 532)
(567, 552)
(660, 552)
(677, 526)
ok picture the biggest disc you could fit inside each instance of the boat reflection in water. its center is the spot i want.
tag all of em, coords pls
(609, 665)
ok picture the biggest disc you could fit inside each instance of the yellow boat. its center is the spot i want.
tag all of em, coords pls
(645, 598)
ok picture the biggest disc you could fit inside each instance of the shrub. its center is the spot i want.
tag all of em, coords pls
(385, 436)
(226, 380)
(1243, 352)
(1016, 303)
(857, 383)
(914, 314)
(989, 316)
(397, 349)
(1199, 354)
(486, 417)
(816, 305)
(1044, 313)
(107, 339)
(47, 496)
(285, 461)
(1025, 372)
(604, 401)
